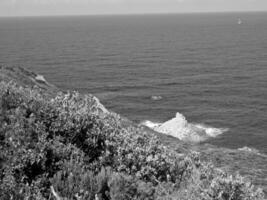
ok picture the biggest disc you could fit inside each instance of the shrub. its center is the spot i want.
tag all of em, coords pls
(70, 146)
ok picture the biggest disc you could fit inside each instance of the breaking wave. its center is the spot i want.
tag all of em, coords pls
(249, 149)
(156, 98)
(180, 128)
(252, 150)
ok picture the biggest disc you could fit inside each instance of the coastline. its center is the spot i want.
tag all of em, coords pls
(229, 160)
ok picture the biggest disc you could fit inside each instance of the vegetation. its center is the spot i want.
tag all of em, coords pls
(70, 147)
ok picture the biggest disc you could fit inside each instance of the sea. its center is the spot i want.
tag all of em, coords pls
(209, 69)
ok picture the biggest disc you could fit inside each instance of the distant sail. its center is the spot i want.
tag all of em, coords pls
(239, 21)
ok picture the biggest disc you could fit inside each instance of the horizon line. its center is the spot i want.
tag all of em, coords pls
(133, 14)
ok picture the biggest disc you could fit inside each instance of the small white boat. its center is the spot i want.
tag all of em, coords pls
(239, 21)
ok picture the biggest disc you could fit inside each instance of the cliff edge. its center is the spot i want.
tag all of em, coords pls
(67, 145)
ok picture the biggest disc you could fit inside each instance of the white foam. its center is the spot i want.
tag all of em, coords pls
(180, 128)
(156, 98)
(248, 149)
(150, 124)
(211, 131)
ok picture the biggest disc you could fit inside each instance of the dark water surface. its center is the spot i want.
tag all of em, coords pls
(205, 66)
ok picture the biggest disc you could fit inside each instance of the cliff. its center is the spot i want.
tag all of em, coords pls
(66, 145)
(27, 78)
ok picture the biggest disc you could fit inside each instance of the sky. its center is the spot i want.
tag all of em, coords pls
(92, 7)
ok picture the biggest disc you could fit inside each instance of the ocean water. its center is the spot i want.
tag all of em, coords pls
(207, 67)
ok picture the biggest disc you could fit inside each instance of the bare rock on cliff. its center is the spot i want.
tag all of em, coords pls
(27, 78)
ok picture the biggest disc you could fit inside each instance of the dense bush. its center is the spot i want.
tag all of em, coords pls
(71, 147)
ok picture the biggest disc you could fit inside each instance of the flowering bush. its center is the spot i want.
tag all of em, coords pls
(71, 147)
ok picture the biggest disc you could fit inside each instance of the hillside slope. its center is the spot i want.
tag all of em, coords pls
(66, 145)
